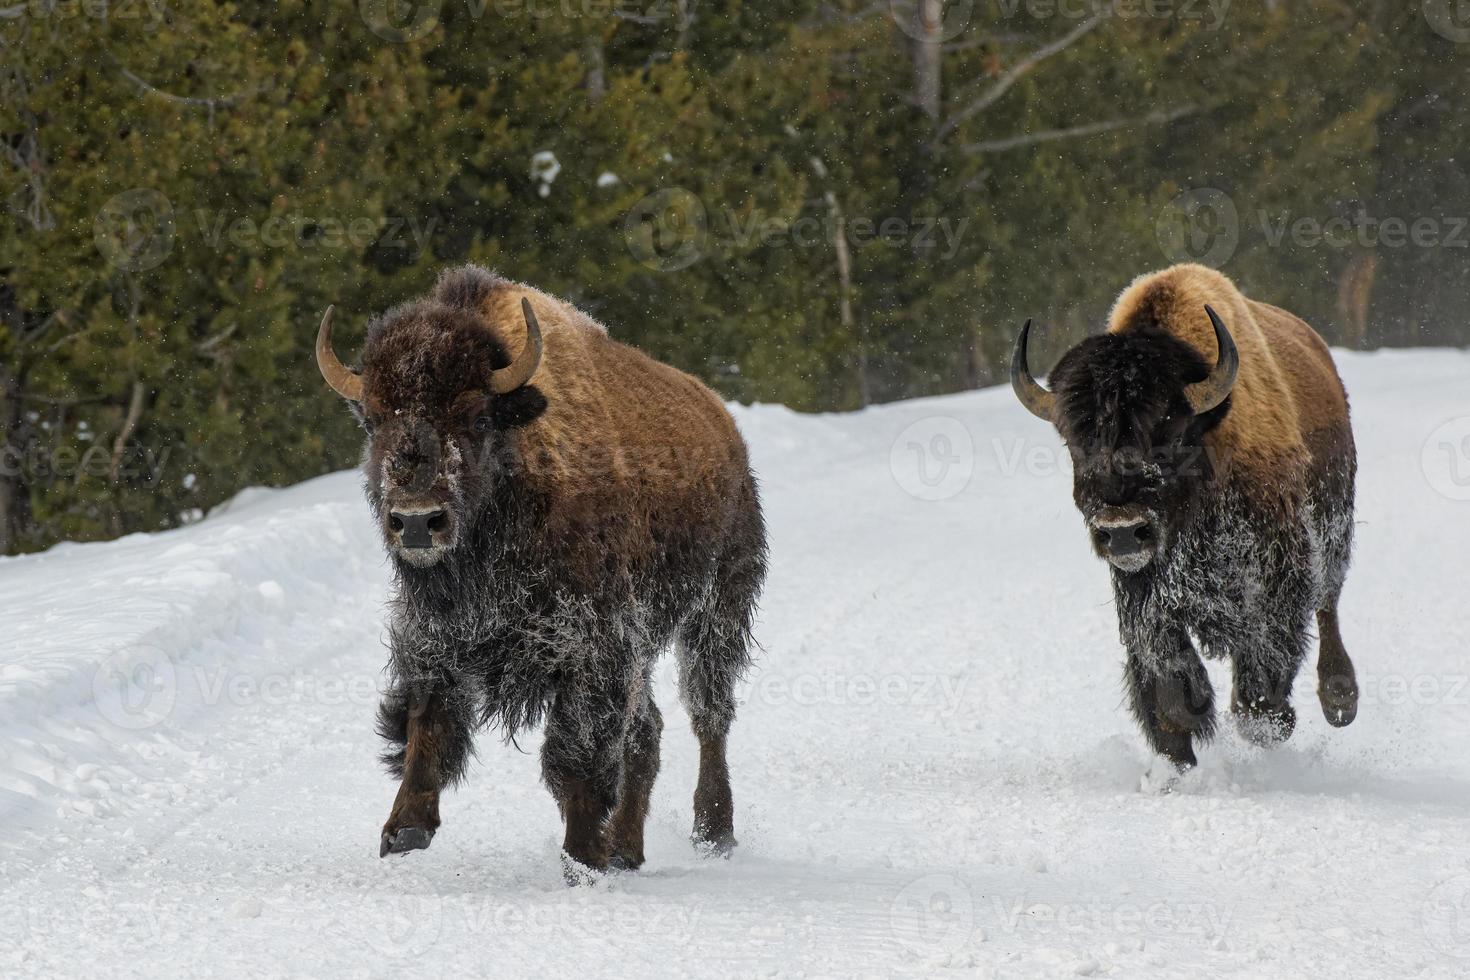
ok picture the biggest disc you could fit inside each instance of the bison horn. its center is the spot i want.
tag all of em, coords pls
(1038, 400)
(1211, 392)
(344, 381)
(508, 379)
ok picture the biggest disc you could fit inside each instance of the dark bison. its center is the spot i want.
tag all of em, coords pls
(558, 509)
(1214, 465)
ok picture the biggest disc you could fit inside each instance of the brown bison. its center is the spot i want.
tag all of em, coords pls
(1214, 466)
(558, 509)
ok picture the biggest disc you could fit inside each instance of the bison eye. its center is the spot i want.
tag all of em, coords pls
(482, 424)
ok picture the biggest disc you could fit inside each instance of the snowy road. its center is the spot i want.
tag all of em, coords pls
(933, 768)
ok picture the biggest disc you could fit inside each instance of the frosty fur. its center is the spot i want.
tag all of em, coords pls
(1253, 502)
(601, 514)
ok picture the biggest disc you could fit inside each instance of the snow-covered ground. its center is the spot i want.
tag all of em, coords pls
(933, 767)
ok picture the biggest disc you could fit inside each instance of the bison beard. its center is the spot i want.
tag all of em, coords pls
(590, 520)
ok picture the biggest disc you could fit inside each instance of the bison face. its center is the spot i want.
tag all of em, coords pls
(438, 402)
(1134, 409)
(1135, 493)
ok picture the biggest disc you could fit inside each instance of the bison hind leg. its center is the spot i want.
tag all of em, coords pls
(709, 669)
(714, 650)
(1337, 681)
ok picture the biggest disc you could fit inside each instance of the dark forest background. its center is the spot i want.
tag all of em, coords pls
(825, 204)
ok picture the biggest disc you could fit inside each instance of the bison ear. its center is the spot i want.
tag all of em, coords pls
(520, 407)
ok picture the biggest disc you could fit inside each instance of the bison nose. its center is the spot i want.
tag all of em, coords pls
(1122, 538)
(414, 528)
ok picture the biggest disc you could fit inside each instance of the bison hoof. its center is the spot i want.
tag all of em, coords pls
(1339, 699)
(405, 839)
(718, 846)
(1267, 728)
(579, 875)
(624, 862)
(1163, 777)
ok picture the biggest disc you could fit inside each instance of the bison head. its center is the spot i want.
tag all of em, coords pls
(437, 395)
(1134, 409)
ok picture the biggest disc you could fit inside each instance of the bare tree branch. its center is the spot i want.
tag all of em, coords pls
(1019, 70)
(687, 14)
(208, 346)
(28, 202)
(211, 103)
(62, 342)
(928, 57)
(970, 44)
(130, 423)
(1087, 129)
(26, 337)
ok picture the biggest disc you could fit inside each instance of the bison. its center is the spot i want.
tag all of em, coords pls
(1213, 463)
(558, 508)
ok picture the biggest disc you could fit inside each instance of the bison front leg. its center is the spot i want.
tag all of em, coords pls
(1172, 699)
(640, 769)
(1261, 697)
(428, 725)
(582, 763)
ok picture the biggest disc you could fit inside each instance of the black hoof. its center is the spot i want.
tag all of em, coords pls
(720, 846)
(1266, 728)
(579, 875)
(620, 862)
(1339, 699)
(405, 839)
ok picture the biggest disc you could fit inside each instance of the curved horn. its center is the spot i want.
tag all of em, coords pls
(1038, 401)
(508, 379)
(1211, 392)
(344, 381)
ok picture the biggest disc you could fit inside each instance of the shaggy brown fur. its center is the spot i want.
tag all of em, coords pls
(663, 443)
